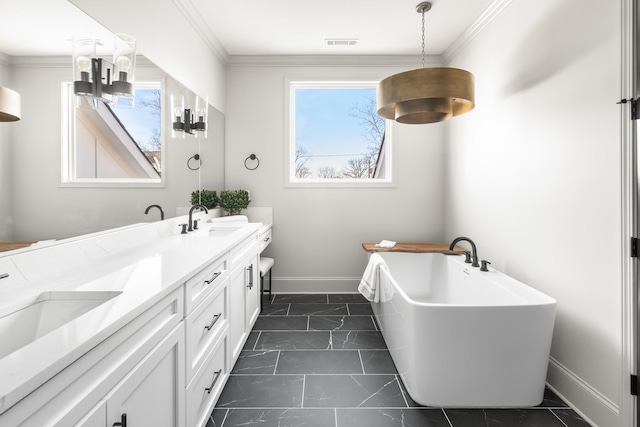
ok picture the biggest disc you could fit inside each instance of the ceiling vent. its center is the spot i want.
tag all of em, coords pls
(341, 42)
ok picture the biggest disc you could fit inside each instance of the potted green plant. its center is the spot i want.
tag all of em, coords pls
(208, 198)
(234, 201)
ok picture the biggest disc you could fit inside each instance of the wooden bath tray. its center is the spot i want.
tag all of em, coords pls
(415, 248)
(14, 245)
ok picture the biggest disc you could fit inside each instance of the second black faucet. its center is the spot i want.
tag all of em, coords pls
(474, 251)
(194, 207)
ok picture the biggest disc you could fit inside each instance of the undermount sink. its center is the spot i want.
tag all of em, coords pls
(221, 231)
(216, 231)
(49, 311)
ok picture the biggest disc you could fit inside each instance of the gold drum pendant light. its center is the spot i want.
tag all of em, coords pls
(9, 105)
(426, 95)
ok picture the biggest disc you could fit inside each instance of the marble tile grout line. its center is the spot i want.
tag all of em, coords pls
(447, 417)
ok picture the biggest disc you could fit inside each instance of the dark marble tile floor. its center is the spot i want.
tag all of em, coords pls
(318, 360)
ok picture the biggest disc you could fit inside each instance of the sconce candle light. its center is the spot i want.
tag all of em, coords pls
(95, 77)
(183, 120)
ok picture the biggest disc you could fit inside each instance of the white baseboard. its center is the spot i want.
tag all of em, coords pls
(592, 405)
(326, 285)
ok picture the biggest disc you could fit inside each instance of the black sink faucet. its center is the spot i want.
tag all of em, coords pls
(194, 207)
(474, 251)
(155, 206)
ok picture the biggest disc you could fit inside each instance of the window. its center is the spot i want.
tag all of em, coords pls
(113, 144)
(336, 136)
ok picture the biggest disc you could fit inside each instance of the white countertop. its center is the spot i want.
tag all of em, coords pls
(140, 261)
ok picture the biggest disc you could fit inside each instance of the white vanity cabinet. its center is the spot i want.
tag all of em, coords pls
(206, 386)
(156, 375)
(207, 365)
(198, 287)
(244, 289)
(218, 325)
(264, 238)
(147, 395)
(204, 326)
(252, 293)
(244, 292)
(165, 365)
(145, 354)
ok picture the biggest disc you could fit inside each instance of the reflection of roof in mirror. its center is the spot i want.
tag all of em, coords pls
(120, 141)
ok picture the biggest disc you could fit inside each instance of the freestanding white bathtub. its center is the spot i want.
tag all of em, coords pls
(461, 337)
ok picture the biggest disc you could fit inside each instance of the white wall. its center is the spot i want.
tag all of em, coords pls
(42, 209)
(533, 176)
(6, 133)
(318, 232)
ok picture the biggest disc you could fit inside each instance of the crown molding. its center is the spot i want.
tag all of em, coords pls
(409, 61)
(58, 61)
(41, 61)
(5, 59)
(474, 29)
(195, 20)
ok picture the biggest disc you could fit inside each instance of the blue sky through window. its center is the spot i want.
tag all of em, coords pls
(329, 126)
(143, 121)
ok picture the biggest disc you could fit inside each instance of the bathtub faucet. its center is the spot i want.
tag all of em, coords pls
(474, 251)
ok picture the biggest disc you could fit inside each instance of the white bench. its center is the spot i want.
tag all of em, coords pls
(265, 267)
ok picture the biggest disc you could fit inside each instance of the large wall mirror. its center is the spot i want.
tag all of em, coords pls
(33, 161)
(124, 143)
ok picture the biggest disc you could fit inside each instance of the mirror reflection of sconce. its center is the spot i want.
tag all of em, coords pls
(252, 160)
(195, 157)
(9, 105)
(95, 77)
(183, 120)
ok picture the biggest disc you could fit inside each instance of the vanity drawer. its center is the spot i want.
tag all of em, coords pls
(264, 239)
(204, 325)
(204, 390)
(200, 286)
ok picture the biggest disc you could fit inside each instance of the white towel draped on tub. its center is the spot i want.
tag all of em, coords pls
(371, 285)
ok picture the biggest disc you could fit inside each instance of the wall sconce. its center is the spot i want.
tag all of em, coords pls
(95, 77)
(183, 120)
(9, 105)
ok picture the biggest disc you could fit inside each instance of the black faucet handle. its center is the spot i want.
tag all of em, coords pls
(184, 228)
(195, 224)
(484, 263)
(467, 257)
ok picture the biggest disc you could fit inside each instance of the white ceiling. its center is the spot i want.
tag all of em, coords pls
(259, 27)
(44, 27)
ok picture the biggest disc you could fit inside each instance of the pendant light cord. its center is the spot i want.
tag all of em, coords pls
(423, 38)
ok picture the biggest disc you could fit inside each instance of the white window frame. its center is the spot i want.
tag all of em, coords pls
(67, 158)
(290, 179)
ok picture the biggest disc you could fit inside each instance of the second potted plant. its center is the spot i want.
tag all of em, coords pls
(234, 201)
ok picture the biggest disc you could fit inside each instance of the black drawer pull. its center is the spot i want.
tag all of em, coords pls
(215, 380)
(123, 421)
(213, 322)
(214, 277)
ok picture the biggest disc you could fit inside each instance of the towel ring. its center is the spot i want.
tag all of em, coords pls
(252, 157)
(194, 157)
